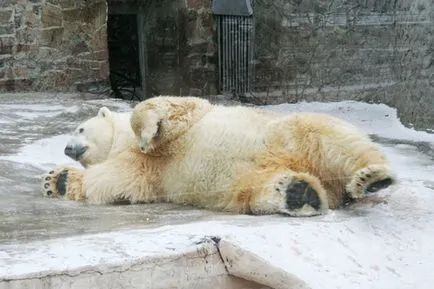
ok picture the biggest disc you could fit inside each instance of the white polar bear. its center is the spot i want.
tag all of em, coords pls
(101, 137)
(234, 159)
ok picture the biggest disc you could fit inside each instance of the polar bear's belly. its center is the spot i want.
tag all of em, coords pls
(222, 145)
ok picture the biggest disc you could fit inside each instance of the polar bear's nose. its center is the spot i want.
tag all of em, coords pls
(75, 152)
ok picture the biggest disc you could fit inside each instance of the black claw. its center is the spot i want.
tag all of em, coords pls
(51, 172)
(49, 193)
(62, 178)
(48, 178)
(379, 185)
(46, 185)
(300, 193)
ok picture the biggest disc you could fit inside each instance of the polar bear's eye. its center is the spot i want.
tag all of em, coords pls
(81, 130)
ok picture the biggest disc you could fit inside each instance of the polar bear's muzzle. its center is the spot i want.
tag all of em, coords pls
(76, 152)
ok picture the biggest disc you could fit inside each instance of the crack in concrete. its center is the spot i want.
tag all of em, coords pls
(129, 266)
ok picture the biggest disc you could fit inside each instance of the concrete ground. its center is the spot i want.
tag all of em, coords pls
(48, 243)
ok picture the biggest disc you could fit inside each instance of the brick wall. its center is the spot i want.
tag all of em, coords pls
(52, 45)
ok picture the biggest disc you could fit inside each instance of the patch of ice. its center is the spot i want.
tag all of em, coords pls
(44, 153)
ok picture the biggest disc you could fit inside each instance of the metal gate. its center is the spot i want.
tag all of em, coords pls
(235, 45)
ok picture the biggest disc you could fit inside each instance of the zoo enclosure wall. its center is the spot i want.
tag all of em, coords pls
(375, 50)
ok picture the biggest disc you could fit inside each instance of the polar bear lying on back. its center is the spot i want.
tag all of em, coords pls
(236, 159)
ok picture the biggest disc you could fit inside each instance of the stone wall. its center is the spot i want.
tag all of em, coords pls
(370, 50)
(182, 53)
(52, 45)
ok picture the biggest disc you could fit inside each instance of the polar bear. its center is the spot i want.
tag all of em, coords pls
(236, 159)
(101, 137)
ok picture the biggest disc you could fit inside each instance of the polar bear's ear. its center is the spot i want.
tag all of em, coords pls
(104, 112)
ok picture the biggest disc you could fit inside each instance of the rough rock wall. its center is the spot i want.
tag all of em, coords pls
(370, 50)
(52, 45)
(181, 45)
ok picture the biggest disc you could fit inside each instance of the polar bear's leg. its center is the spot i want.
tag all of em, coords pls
(369, 179)
(126, 177)
(282, 192)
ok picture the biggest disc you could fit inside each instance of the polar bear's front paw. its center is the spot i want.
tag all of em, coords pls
(55, 184)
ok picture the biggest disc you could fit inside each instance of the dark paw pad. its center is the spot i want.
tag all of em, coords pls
(61, 182)
(379, 185)
(300, 193)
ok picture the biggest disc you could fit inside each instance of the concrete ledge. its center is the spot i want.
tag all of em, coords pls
(138, 259)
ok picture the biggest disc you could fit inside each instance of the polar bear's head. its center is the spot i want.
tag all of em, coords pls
(93, 139)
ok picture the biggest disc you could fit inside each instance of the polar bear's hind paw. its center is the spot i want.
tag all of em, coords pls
(379, 185)
(300, 193)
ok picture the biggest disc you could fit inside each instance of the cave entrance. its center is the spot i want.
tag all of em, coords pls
(126, 47)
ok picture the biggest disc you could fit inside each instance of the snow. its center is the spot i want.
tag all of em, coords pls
(41, 154)
(389, 245)
(377, 119)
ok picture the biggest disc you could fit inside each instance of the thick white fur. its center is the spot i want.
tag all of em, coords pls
(105, 135)
(231, 158)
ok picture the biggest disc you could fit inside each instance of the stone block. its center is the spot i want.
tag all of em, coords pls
(55, 80)
(30, 18)
(24, 47)
(37, 9)
(66, 4)
(7, 3)
(79, 47)
(51, 37)
(85, 14)
(74, 73)
(2, 74)
(104, 71)
(18, 19)
(11, 85)
(6, 45)
(51, 16)
(5, 60)
(6, 29)
(26, 35)
(48, 53)
(99, 40)
(20, 72)
(5, 16)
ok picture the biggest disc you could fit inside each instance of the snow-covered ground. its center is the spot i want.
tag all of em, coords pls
(389, 245)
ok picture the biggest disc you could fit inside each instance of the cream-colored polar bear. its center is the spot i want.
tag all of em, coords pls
(235, 159)
(101, 137)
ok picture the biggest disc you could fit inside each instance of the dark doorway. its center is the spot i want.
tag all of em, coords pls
(124, 49)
